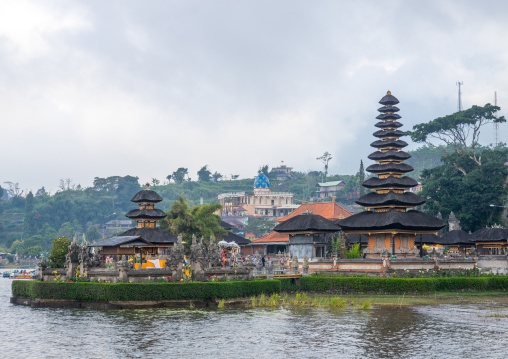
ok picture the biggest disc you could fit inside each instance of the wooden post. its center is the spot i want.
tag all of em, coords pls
(393, 244)
(421, 246)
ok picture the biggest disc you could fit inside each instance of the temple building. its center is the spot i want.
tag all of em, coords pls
(308, 234)
(145, 240)
(262, 202)
(390, 221)
(275, 242)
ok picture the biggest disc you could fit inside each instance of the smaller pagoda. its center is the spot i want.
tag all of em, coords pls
(146, 216)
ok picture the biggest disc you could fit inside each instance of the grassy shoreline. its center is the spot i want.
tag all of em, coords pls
(364, 301)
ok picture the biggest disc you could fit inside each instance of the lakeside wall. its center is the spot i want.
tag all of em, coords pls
(129, 295)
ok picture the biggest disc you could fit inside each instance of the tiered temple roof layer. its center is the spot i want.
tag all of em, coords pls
(389, 200)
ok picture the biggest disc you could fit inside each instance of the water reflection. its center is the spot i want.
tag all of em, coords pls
(448, 331)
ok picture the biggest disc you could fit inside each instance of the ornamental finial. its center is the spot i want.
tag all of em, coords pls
(147, 186)
(388, 92)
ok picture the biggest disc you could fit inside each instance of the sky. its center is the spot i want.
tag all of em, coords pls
(105, 88)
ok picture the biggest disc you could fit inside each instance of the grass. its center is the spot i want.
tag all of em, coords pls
(367, 301)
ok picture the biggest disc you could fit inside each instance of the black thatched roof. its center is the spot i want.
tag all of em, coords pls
(389, 167)
(306, 223)
(375, 182)
(388, 109)
(455, 237)
(388, 116)
(231, 237)
(411, 220)
(428, 238)
(120, 240)
(146, 213)
(384, 124)
(390, 198)
(152, 235)
(388, 155)
(388, 143)
(386, 133)
(226, 225)
(389, 99)
(146, 195)
(490, 235)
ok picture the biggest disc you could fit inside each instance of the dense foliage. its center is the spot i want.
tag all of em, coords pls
(102, 292)
(468, 189)
(401, 285)
(59, 250)
(199, 221)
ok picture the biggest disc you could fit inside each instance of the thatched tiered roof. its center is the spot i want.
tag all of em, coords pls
(307, 223)
(389, 198)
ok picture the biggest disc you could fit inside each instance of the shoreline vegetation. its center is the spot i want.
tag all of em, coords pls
(355, 292)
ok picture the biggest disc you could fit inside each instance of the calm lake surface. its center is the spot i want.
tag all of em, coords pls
(443, 331)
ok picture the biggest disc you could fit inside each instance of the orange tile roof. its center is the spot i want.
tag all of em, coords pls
(272, 237)
(329, 210)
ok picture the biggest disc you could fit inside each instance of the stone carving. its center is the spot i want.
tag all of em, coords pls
(213, 253)
(177, 254)
(269, 269)
(295, 264)
(305, 266)
(97, 257)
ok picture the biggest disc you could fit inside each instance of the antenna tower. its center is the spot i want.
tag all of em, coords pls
(459, 104)
(496, 125)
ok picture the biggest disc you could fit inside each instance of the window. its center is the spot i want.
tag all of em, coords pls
(280, 201)
(320, 252)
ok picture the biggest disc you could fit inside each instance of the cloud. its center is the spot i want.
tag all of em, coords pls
(96, 88)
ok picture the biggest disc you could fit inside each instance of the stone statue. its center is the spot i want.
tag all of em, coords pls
(295, 264)
(177, 254)
(213, 253)
(305, 266)
(97, 258)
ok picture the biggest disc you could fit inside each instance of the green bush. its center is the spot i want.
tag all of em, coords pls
(401, 285)
(288, 284)
(102, 292)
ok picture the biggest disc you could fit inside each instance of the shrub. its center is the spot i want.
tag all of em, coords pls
(102, 292)
(401, 285)
(59, 250)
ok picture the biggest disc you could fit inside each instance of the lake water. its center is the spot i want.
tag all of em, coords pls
(443, 331)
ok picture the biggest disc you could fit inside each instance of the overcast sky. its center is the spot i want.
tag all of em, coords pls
(102, 88)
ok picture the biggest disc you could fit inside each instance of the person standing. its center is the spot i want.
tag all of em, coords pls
(263, 260)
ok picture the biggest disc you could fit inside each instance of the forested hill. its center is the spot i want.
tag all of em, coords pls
(424, 158)
(29, 223)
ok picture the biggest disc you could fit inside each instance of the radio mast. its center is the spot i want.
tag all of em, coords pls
(496, 125)
(459, 104)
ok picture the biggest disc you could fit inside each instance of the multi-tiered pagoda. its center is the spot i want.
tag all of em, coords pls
(147, 215)
(390, 220)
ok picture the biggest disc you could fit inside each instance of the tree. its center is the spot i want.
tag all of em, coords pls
(200, 221)
(263, 169)
(155, 182)
(325, 158)
(2, 191)
(259, 227)
(41, 192)
(460, 130)
(93, 234)
(28, 220)
(466, 188)
(13, 190)
(59, 249)
(204, 174)
(362, 178)
(66, 230)
(216, 176)
(179, 175)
